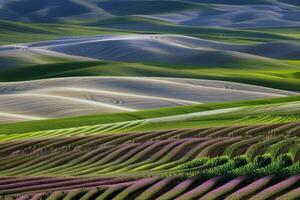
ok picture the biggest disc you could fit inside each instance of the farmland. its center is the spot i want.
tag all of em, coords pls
(248, 161)
(186, 152)
(149, 99)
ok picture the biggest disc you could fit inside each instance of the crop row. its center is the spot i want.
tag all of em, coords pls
(238, 162)
(53, 141)
(242, 187)
(291, 128)
(138, 158)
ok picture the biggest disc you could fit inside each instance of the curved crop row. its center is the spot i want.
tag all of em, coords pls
(142, 157)
(157, 188)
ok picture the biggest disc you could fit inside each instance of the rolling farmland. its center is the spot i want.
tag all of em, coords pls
(231, 162)
(63, 97)
(146, 159)
(149, 100)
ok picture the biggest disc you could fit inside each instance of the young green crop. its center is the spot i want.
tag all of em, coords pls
(261, 165)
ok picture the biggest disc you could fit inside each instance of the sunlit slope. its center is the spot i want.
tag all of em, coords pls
(204, 115)
(18, 56)
(50, 98)
(170, 49)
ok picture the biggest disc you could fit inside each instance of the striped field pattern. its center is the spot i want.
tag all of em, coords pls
(171, 164)
(243, 187)
(149, 100)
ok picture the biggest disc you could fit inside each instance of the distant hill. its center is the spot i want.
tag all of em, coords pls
(49, 10)
(216, 13)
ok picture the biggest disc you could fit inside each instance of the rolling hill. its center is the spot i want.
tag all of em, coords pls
(52, 98)
(149, 99)
(231, 14)
(155, 55)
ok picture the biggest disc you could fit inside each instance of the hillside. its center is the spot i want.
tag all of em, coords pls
(230, 14)
(149, 99)
(52, 98)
